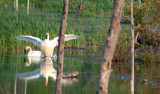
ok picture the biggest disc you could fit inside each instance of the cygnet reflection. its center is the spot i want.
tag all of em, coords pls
(46, 70)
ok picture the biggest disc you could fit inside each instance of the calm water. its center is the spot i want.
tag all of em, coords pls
(20, 76)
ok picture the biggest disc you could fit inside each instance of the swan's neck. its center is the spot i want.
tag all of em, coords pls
(47, 37)
(29, 52)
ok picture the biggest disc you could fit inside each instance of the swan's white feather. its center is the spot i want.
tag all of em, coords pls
(29, 75)
(70, 37)
(36, 54)
(67, 38)
(30, 39)
(47, 46)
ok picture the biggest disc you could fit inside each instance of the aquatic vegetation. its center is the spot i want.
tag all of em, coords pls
(148, 55)
(91, 34)
(123, 48)
(92, 28)
(89, 7)
(5, 89)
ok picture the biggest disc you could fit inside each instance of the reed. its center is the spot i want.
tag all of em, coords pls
(92, 31)
(89, 7)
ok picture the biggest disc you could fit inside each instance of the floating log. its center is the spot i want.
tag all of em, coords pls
(71, 75)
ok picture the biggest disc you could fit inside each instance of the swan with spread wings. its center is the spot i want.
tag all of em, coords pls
(47, 46)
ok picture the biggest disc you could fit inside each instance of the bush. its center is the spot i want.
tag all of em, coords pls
(146, 17)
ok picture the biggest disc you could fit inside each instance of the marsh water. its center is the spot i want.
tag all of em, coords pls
(22, 75)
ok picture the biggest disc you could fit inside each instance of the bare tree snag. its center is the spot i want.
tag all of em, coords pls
(80, 6)
(140, 3)
(110, 46)
(15, 86)
(27, 6)
(60, 52)
(135, 39)
(16, 5)
(25, 90)
(132, 49)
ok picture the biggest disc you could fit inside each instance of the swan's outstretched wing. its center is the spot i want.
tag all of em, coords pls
(67, 38)
(30, 39)
(70, 37)
(29, 75)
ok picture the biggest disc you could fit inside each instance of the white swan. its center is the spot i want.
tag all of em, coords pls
(35, 56)
(32, 53)
(47, 46)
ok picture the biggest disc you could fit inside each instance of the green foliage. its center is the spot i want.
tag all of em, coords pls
(149, 55)
(149, 37)
(145, 17)
(123, 48)
(5, 89)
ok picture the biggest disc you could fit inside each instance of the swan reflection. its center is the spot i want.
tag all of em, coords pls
(46, 70)
(36, 60)
(29, 60)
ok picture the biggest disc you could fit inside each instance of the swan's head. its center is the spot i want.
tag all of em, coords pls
(27, 49)
(47, 35)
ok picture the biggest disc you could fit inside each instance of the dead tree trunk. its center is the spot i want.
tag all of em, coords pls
(80, 6)
(27, 6)
(16, 5)
(110, 46)
(15, 86)
(61, 47)
(140, 3)
(132, 49)
(25, 90)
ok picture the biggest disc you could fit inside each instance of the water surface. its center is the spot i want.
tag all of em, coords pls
(20, 76)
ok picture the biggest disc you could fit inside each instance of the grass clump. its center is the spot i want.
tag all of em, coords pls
(5, 89)
(148, 55)
(122, 51)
